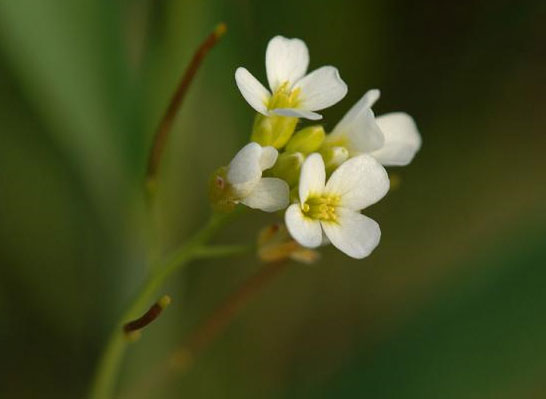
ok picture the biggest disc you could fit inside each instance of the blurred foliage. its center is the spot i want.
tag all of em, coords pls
(451, 303)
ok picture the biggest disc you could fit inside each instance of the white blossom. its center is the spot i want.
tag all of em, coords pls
(244, 175)
(293, 93)
(333, 208)
(393, 138)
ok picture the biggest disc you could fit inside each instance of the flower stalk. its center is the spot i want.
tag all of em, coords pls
(322, 181)
(166, 122)
(206, 333)
(103, 385)
(133, 328)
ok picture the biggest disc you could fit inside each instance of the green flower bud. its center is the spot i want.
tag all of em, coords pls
(273, 130)
(288, 167)
(307, 140)
(294, 194)
(221, 194)
(333, 157)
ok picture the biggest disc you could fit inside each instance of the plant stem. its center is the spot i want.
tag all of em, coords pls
(166, 122)
(204, 334)
(224, 314)
(220, 251)
(110, 361)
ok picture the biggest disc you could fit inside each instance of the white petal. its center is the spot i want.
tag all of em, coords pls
(298, 113)
(304, 230)
(252, 90)
(268, 157)
(321, 88)
(269, 195)
(354, 234)
(370, 97)
(312, 177)
(286, 60)
(402, 139)
(244, 170)
(359, 127)
(360, 181)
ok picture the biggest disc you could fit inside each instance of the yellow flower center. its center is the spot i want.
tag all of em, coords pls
(321, 207)
(284, 97)
(276, 130)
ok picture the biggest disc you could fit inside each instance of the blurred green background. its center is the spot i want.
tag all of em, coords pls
(452, 303)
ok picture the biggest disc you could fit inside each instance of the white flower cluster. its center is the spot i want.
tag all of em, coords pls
(322, 180)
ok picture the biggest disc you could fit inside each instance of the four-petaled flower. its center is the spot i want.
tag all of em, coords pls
(293, 93)
(334, 207)
(392, 139)
(354, 155)
(247, 186)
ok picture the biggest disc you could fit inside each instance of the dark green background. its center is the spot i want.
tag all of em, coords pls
(452, 304)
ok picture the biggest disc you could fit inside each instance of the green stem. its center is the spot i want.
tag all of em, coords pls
(110, 361)
(220, 251)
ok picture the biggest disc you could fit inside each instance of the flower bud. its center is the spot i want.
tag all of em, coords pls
(288, 167)
(273, 130)
(333, 157)
(306, 140)
(221, 193)
(294, 194)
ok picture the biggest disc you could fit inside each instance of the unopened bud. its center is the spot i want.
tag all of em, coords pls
(220, 191)
(273, 130)
(294, 194)
(306, 140)
(288, 167)
(333, 157)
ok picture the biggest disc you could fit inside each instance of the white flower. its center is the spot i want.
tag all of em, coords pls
(334, 207)
(392, 139)
(293, 93)
(244, 175)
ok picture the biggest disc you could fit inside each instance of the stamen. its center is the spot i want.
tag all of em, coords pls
(284, 97)
(321, 207)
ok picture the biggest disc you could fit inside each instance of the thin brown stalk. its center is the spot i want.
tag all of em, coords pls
(164, 127)
(182, 359)
(153, 313)
(222, 316)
